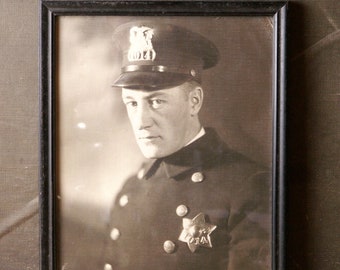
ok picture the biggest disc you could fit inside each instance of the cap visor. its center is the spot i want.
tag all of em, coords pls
(150, 80)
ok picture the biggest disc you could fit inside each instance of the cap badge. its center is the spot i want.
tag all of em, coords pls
(196, 232)
(141, 48)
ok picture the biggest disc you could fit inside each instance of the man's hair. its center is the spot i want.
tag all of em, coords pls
(189, 86)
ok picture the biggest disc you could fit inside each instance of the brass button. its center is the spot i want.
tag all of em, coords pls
(181, 210)
(115, 234)
(141, 174)
(197, 177)
(107, 266)
(123, 200)
(169, 246)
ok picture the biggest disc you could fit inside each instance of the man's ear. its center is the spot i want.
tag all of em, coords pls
(196, 100)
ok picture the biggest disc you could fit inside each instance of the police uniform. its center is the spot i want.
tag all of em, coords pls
(203, 207)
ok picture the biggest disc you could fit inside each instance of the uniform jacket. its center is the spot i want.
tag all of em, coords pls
(204, 207)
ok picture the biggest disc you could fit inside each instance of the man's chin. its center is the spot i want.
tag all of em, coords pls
(150, 155)
(150, 152)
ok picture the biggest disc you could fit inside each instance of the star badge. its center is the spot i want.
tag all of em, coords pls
(196, 232)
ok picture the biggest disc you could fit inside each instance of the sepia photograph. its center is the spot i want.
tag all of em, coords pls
(164, 142)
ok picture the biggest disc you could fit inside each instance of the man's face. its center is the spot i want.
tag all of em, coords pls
(160, 119)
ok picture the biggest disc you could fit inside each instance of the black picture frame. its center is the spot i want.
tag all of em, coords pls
(50, 11)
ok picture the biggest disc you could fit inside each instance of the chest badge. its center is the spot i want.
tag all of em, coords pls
(196, 232)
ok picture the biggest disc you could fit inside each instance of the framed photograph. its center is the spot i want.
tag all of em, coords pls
(162, 135)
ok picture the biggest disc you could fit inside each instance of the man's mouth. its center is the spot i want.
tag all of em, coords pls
(147, 138)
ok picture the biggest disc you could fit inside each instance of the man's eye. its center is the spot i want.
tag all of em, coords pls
(131, 104)
(156, 103)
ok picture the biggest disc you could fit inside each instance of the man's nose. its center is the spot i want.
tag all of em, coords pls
(143, 117)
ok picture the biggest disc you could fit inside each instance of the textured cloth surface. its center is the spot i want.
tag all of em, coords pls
(313, 134)
(19, 135)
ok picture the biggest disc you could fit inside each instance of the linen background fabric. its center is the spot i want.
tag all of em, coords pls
(313, 134)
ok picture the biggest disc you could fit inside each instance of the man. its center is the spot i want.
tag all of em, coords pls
(197, 204)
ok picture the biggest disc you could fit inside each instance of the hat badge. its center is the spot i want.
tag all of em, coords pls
(141, 48)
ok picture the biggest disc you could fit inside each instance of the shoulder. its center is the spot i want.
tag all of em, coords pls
(244, 180)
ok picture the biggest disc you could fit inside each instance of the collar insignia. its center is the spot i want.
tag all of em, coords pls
(141, 48)
(196, 232)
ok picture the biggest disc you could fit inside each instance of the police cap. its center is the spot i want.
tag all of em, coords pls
(157, 56)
